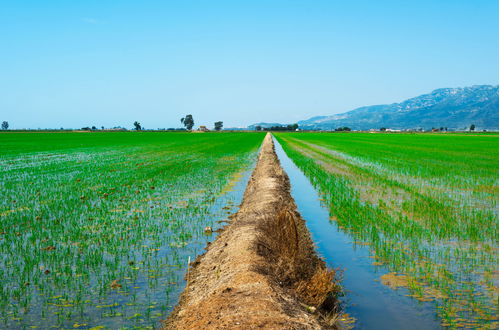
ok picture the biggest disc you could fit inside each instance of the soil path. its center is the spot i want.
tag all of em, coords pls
(262, 270)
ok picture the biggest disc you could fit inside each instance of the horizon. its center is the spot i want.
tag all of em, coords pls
(265, 123)
(73, 65)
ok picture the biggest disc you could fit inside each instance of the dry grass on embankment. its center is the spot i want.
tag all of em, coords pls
(262, 270)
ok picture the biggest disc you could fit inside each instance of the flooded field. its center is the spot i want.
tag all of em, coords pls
(420, 212)
(365, 299)
(96, 229)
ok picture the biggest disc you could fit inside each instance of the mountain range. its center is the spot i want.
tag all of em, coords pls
(454, 108)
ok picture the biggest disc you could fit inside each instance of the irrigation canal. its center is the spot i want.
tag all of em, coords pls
(373, 305)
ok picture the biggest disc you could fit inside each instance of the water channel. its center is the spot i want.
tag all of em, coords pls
(373, 305)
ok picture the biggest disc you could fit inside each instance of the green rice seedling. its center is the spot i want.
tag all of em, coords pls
(426, 204)
(90, 224)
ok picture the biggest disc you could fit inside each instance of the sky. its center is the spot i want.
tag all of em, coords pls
(109, 63)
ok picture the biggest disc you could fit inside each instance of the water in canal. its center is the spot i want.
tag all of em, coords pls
(373, 305)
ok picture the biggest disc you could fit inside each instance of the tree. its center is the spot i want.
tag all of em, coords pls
(258, 127)
(94, 128)
(5, 125)
(382, 129)
(137, 126)
(472, 127)
(188, 122)
(219, 125)
(281, 128)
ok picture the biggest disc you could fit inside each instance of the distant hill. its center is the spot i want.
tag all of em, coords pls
(454, 108)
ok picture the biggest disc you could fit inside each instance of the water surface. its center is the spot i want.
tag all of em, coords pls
(373, 305)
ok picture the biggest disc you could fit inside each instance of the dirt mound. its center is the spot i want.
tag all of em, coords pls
(262, 270)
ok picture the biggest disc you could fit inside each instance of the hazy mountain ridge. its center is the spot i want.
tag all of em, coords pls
(455, 108)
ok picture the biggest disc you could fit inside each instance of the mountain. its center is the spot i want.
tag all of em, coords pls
(455, 108)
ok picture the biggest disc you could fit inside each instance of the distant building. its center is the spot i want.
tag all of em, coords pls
(203, 128)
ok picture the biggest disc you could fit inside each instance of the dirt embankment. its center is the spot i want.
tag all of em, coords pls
(262, 270)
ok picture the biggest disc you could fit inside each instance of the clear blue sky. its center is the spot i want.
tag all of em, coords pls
(108, 63)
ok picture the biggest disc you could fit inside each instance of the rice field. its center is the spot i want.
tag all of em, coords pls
(426, 205)
(96, 229)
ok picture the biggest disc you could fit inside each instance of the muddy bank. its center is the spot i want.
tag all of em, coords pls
(262, 270)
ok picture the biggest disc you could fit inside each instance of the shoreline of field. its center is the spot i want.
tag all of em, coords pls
(262, 271)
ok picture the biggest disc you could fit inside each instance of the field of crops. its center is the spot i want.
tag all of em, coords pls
(96, 228)
(425, 204)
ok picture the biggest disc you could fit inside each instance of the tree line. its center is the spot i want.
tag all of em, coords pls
(292, 127)
(187, 121)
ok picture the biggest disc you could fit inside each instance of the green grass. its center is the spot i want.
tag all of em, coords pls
(426, 204)
(79, 211)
